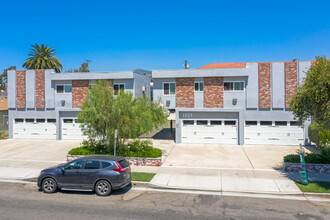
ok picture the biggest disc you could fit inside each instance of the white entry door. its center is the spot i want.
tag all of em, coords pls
(210, 131)
(273, 132)
(71, 129)
(40, 128)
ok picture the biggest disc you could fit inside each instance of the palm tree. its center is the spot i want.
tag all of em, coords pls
(43, 57)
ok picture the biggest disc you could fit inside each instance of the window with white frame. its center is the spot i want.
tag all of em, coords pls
(118, 87)
(169, 88)
(62, 89)
(199, 86)
(233, 86)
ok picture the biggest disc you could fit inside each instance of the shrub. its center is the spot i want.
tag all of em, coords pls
(309, 158)
(292, 158)
(313, 133)
(136, 148)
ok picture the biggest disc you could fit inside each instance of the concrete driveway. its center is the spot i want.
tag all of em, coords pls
(228, 156)
(24, 158)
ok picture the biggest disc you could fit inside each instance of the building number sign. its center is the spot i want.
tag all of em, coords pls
(187, 115)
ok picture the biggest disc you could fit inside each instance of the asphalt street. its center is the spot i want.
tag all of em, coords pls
(25, 201)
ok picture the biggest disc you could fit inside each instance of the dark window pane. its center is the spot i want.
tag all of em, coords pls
(196, 87)
(75, 165)
(68, 120)
(202, 122)
(228, 86)
(188, 122)
(238, 86)
(51, 120)
(60, 89)
(201, 86)
(121, 87)
(280, 123)
(230, 122)
(166, 89)
(92, 164)
(172, 88)
(115, 89)
(106, 164)
(29, 120)
(41, 120)
(215, 122)
(68, 88)
(19, 120)
(265, 123)
(123, 164)
(251, 123)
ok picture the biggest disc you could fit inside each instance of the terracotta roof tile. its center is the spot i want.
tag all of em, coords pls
(223, 65)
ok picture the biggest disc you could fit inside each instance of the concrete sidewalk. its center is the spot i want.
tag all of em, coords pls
(230, 180)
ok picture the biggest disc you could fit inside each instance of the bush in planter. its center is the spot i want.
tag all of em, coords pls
(309, 158)
(136, 148)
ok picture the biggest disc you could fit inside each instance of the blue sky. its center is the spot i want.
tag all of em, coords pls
(126, 35)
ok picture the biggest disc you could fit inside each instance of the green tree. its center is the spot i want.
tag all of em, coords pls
(83, 68)
(4, 77)
(42, 57)
(312, 97)
(102, 113)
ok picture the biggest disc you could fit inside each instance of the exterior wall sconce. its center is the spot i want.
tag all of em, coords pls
(63, 102)
(234, 101)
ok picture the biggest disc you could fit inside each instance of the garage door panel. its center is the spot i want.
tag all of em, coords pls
(277, 135)
(220, 134)
(71, 130)
(35, 130)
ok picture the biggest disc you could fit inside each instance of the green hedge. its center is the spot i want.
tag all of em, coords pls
(136, 148)
(309, 158)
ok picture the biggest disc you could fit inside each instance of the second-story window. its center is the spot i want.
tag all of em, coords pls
(60, 89)
(118, 87)
(199, 86)
(169, 88)
(233, 86)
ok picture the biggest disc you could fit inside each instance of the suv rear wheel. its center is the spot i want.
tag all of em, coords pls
(103, 188)
(49, 185)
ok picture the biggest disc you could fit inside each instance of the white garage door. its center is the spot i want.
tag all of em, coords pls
(273, 132)
(40, 128)
(209, 131)
(71, 129)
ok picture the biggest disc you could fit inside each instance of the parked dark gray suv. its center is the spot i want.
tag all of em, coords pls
(100, 173)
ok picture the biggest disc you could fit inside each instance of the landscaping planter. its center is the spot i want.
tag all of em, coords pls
(136, 161)
(310, 167)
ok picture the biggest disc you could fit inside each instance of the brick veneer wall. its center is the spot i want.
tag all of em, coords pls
(20, 89)
(264, 85)
(291, 81)
(79, 92)
(40, 88)
(185, 92)
(213, 92)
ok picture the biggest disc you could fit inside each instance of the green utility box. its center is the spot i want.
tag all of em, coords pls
(303, 177)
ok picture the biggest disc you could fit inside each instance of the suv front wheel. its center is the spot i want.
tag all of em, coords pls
(49, 185)
(103, 188)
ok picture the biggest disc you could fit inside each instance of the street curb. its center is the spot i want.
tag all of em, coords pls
(140, 184)
(325, 195)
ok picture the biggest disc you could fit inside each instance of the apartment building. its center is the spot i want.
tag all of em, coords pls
(43, 104)
(234, 103)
